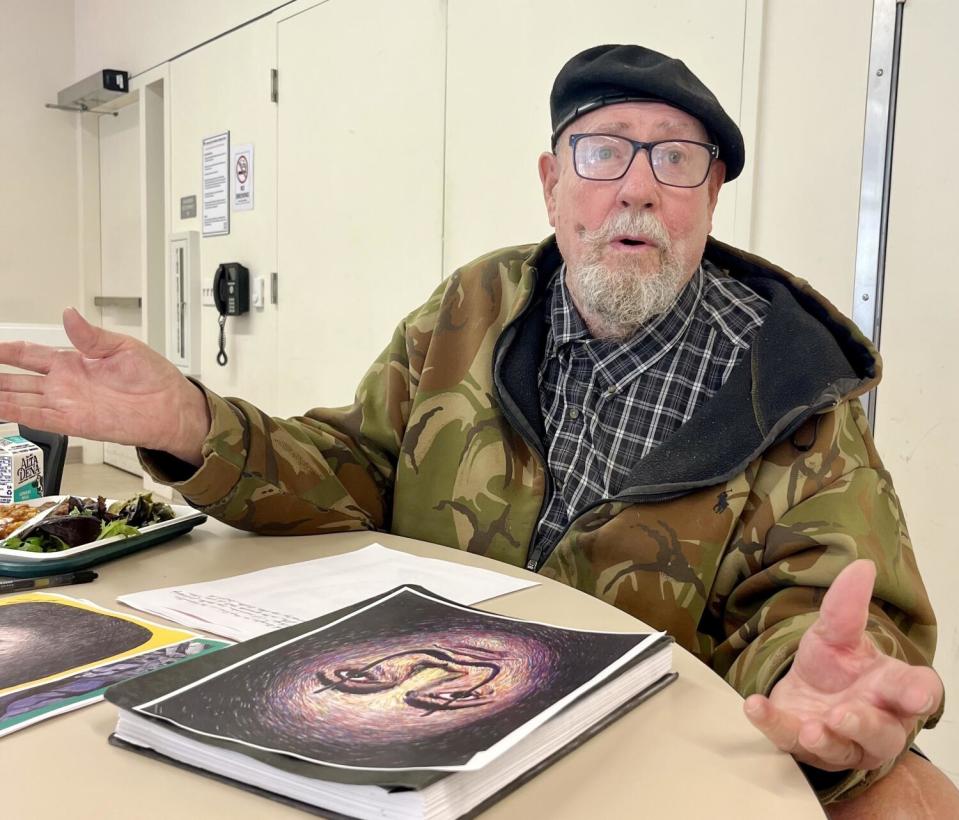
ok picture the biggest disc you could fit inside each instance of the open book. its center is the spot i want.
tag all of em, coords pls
(405, 705)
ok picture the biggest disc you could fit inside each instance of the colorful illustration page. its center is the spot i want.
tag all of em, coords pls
(45, 636)
(58, 653)
(406, 682)
(26, 705)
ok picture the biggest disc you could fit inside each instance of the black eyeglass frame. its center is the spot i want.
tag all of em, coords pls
(649, 146)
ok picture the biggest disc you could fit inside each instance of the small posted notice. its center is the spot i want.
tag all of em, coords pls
(216, 184)
(241, 163)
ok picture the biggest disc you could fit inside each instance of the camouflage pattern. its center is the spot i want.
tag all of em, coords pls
(734, 571)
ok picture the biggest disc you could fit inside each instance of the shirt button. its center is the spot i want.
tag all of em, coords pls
(610, 391)
(574, 413)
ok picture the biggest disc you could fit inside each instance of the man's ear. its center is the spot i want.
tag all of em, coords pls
(549, 176)
(717, 175)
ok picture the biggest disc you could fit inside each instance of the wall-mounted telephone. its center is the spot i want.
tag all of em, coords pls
(231, 295)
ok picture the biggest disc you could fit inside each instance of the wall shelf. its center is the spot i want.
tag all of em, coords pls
(118, 301)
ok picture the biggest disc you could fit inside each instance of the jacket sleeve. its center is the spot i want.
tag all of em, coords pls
(326, 471)
(820, 501)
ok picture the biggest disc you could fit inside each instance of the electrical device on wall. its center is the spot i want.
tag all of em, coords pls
(231, 296)
(96, 90)
(183, 302)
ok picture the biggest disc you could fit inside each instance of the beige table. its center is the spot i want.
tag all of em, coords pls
(686, 753)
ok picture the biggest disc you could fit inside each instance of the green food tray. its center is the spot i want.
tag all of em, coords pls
(98, 554)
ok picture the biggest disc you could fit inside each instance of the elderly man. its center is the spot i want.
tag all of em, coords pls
(629, 407)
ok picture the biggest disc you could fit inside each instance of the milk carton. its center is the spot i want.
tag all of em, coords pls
(21, 466)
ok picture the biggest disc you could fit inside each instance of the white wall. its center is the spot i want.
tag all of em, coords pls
(135, 35)
(815, 56)
(359, 225)
(917, 402)
(38, 185)
(497, 109)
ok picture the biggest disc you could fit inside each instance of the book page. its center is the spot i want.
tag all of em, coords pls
(245, 606)
(59, 653)
(406, 681)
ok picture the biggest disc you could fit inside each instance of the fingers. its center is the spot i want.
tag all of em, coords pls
(27, 356)
(845, 607)
(910, 691)
(780, 727)
(809, 741)
(16, 400)
(41, 418)
(14, 383)
(91, 341)
(880, 735)
(827, 750)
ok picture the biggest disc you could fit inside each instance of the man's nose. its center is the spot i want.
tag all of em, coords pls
(639, 187)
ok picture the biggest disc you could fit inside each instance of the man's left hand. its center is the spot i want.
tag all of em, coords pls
(844, 704)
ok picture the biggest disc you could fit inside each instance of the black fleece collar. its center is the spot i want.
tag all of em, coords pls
(804, 358)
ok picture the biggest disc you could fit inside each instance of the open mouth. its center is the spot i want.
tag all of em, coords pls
(631, 242)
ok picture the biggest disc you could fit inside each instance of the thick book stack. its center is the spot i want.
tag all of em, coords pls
(406, 705)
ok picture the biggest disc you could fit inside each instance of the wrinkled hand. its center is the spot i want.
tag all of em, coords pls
(110, 388)
(844, 704)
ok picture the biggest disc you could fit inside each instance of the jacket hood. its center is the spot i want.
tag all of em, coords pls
(762, 276)
(807, 357)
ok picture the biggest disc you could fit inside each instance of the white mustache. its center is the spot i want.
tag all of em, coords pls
(630, 223)
(624, 297)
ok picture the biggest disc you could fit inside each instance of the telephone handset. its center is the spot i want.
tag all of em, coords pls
(231, 295)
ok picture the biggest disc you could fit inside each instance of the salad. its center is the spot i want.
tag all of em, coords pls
(74, 522)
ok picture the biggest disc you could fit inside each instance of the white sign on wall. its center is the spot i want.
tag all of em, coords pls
(241, 166)
(216, 184)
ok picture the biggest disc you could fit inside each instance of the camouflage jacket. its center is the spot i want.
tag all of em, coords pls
(728, 533)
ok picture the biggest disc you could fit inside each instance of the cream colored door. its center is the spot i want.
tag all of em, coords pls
(918, 401)
(502, 58)
(222, 86)
(120, 240)
(360, 186)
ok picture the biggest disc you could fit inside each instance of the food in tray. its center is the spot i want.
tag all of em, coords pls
(14, 516)
(74, 522)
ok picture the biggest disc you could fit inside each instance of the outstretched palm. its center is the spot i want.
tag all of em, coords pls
(844, 704)
(111, 387)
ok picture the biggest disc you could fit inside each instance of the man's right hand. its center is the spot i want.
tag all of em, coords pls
(110, 388)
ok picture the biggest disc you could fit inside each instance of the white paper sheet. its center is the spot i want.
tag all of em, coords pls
(248, 605)
(216, 184)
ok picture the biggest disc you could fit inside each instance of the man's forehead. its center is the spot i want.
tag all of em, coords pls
(667, 125)
(654, 117)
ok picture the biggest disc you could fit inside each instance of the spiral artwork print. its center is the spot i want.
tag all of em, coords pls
(410, 682)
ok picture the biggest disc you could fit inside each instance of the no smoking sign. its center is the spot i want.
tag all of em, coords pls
(242, 169)
(242, 156)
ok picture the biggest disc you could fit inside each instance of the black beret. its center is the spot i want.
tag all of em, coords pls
(605, 75)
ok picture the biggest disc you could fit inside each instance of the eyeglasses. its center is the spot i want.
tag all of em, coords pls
(680, 163)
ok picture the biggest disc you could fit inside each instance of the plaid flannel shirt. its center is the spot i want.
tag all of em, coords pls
(606, 404)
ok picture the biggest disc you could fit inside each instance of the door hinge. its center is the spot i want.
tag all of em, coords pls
(274, 288)
(274, 85)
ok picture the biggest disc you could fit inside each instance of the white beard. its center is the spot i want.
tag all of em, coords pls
(622, 300)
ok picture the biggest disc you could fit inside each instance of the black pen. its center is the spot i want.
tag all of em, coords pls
(20, 584)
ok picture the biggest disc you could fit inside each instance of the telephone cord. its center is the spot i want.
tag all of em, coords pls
(221, 358)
